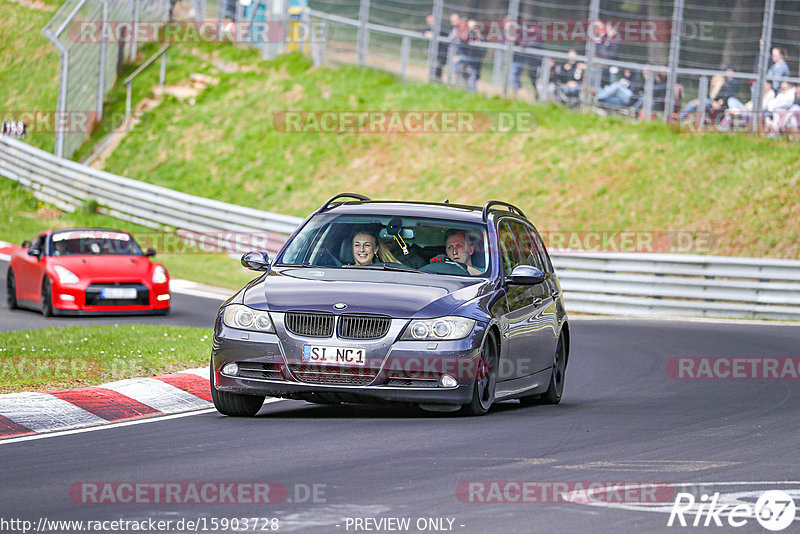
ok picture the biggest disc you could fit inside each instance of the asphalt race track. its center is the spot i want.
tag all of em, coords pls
(623, 419)
(186, 311)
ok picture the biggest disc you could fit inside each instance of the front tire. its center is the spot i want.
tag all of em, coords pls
(11, 290)
(47, 298)
(234, 404)
(486, 379)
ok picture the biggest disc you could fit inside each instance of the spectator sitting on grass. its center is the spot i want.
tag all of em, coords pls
(568, 76)
(721, 88)
(620, 92)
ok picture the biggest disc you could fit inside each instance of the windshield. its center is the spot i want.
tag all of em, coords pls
(414, 244)
(94, 243)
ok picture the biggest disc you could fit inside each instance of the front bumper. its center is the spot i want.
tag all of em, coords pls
(397, 371)
(72, 299)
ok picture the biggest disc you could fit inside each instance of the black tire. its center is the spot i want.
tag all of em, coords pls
(11, 290)
(486, 379)
(556, 387)
(234, 404)
(47, 298)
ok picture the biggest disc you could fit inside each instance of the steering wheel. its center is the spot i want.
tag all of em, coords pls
(336, 261)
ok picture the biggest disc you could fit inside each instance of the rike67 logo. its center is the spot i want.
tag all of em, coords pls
(774, 510)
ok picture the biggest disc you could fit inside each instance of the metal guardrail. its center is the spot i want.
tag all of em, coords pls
(686, 285)
(593, 282)
(68, 185)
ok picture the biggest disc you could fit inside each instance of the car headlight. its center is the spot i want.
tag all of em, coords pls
(65, 276)
(439, 329)
(159, 275)
(244, 318)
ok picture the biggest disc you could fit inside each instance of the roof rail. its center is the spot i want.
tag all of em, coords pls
(511, 207)
(342, 195)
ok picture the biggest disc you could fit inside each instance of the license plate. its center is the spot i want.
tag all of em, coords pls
(118, 293)
(334, 355)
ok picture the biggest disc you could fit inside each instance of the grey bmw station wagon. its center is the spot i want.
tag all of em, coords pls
(447, 307)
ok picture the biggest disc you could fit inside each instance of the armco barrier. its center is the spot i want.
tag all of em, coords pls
(593, 282)
(68, 184)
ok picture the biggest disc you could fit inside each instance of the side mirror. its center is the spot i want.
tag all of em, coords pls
(26, 243)
(34, 252)
(256, 261)
(150, 252)
(525, 275)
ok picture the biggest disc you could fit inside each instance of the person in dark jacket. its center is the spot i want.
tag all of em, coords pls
(441, 48)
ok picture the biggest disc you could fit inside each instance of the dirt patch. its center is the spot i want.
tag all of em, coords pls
(34, 4)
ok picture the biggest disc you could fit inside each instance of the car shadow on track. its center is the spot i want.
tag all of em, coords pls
(303, 410)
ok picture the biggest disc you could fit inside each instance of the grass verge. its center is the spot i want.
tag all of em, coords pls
(77, 356)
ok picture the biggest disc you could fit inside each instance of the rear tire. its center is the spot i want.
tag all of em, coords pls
(47, 298)
(486, 379)
(11, 290)
(234, 404)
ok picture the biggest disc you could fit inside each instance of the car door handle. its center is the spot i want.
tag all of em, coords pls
(536, 302)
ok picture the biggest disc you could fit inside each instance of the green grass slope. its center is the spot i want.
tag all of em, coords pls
(573, 172)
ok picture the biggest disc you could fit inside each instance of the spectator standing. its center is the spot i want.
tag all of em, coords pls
(778, 69)
(441, 47)
(531, 38)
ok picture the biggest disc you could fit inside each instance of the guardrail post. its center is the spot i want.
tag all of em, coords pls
(362, 40)
(674, 58)
(63, 81)
(763, 64)
(433, 44)
(405, 51)
(513, 19)
(702, 96)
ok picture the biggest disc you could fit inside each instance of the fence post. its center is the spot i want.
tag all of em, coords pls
(134, 23)
(450, 68)
(128, 103)
(362, 41)
(162, 76)
(101, 68)
(433, 44)
(674, 58)
(591, 51)
(497, 71)
(513, 18)
(702, 96)
(63, 80)
(763, 62)
(543, 87)
(405, 51)
(647, 106)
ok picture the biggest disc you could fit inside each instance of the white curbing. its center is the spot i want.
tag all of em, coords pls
(202, 372)
(157, 394)
(42, 412)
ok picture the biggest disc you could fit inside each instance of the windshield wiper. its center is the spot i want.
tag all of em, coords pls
(304, 264)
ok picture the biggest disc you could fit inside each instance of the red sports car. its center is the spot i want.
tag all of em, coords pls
(86, 272)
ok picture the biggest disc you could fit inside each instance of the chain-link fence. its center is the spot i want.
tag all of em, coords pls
(90, 36)
(710, 58)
